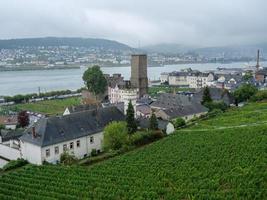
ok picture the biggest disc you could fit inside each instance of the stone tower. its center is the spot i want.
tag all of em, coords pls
(139, 73)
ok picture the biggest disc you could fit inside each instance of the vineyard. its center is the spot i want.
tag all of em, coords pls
(228, 163)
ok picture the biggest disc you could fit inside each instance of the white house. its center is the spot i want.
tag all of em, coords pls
(199, 80)
(178, 79)
(164, 77)
(78, 133)
(9, 122)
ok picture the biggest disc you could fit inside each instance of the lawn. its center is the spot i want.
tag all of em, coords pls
(154, 90)
(211, 164)
(49, 107)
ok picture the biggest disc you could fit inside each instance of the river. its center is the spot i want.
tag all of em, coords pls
(23, 82)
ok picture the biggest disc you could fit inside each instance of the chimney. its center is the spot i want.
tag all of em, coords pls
(258, 60)
(33, 132)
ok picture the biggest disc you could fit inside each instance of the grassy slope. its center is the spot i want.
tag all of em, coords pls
(213, 164)
(49, 107)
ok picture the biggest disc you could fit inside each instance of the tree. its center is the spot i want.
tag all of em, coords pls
(115, 136)
(153, 122)
(23, 119)
(244, 92)
(131, 122)
(206, 98)
(248, 76)
(179, 122)
(95, 80)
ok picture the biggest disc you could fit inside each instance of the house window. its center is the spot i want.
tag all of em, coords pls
(91, 139)
(47, 152)
(56, 150)
(65, 147)
(71, 145)
(78, 143)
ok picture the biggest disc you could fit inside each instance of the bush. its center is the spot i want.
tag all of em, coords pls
(115, 136)
(145, 137)
(214, 112)
(93, 152)
(179, 122)
(67, 159)
(219, 105)
(99, 158)
(259, 96)
(13, 164)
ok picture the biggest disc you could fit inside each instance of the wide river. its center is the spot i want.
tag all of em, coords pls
(23, 82)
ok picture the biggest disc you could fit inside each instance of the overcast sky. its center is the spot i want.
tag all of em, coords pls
(188, 22)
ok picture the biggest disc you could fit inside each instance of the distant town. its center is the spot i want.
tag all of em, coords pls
(74, 53)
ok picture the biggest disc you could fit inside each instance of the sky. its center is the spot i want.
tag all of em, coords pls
(139, 22)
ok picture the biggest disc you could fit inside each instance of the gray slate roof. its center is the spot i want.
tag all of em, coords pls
(54, 130)
(144, 123)
(7, 135)
(185, 111)
(217, 94)
(168, 100)
(81, 108)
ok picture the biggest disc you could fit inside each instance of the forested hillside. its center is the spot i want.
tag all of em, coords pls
(56, 41)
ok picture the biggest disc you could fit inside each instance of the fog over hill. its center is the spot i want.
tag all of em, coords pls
(63, 41)
(217, 51)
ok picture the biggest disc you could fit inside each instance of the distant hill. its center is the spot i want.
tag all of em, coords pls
(219, 51)
(167, 48)
(57, 41)
(234, 50)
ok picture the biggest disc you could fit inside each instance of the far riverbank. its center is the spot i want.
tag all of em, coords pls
(25, 82)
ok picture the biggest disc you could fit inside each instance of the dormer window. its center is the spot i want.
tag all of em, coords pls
(61, 132)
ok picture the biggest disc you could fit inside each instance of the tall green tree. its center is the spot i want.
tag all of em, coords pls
(95, 80)
(206, 98)
(115, 135)
(130, 119)
(153, 122)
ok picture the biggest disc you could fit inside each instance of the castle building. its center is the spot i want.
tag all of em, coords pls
(139, 78)
(127, 96)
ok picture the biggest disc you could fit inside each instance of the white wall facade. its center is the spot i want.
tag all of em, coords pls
(164, 77)
(85, 148)
(31, 153)
(11, 126)
(129, 95)
(200, 81)
(114, 94)
(9, 152)
(178, 80)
